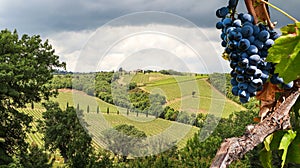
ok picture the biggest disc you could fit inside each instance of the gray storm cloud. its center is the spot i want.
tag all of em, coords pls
(70, 24)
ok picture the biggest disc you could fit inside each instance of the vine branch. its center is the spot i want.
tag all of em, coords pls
(235, 148)
(281, 11)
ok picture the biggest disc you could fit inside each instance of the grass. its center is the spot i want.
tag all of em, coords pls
(178, 91)
(174, 131)
(98, 122)
(77, 97)
(142, 79)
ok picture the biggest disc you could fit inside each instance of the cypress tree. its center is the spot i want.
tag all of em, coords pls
(32, 105)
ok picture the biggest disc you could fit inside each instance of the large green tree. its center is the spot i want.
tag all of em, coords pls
(26, 66)
(62, 130)
(124, 140)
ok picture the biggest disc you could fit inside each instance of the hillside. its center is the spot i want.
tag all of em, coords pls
(178, 92)
(99, 122)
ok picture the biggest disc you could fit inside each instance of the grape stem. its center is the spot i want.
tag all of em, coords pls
(251, 10)
(280, 10)
(234, 9)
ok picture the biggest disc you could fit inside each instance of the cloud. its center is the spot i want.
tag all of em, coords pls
(140, 47)
(90, 33)
(51, 16)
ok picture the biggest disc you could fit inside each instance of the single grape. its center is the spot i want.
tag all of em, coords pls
(258, 44)
(237, 23)
(256, 30)
(245, 99)
(247, 18)
(254, 59)
(233, 64)
(234, 57)
(244, 63)
(248, 78)
(264, 35)
(244, 55)
(258, 73)
(223, 43)
(233, 74)
(269, 43)
(222, 12)
(239, 70)
(243, 86)
(227, 22)
(247, 31)
(251, 39)
(240, 78)
(252, 50)
(244, 44)
(275, 79)
(235, 90)
(233, 82)
(251, 70)
(232, 44)
(288, 85)
(219, 25)
(256, 83)
(251, 89)
(264, 53)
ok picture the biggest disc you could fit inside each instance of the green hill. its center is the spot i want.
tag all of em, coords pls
(99, 122)
(178, 92)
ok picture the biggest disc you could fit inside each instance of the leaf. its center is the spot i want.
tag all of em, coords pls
(294, 151)
(268, 93)
(285, 142)
(277, 136)
(268, 141)
(286, 53)
(265, 158)
(267, 98)
(289, 29)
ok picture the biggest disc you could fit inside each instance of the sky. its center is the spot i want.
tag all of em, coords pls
(95, 35)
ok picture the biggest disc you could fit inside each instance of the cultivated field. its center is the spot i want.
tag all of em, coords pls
(98, 122)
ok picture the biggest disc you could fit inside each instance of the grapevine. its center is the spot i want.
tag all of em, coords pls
(266, 65)
(246, 47)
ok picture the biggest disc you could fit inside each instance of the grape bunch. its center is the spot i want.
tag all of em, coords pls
(246, 45)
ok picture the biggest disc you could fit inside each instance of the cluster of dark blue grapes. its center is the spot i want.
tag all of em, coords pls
(247, 46)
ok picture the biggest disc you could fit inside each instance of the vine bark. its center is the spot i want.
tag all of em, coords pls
(235, 148)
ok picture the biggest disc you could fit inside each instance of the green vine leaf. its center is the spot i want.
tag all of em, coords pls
(286, 53)
(294, 151)
(285, 142)
(268, 141)
(265, 158)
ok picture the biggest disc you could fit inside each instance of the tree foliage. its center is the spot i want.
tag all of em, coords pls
(26, 66)
(124, 140)
(62, 130)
